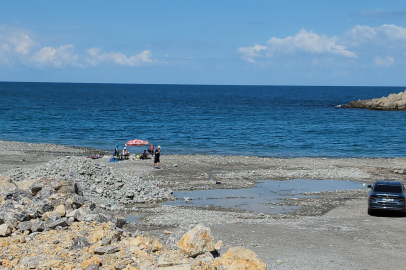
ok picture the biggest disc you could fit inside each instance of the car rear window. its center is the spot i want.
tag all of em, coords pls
(387, 188)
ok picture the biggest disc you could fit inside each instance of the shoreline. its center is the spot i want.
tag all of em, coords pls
(134, 188)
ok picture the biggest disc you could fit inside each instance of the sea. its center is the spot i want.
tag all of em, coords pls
(265, 121)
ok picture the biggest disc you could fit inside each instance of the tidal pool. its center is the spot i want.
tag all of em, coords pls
(264, 197)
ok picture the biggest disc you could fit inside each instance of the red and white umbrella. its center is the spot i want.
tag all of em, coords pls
(136, 142)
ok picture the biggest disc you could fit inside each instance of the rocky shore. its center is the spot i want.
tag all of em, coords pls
(393, 102)
(60, 209)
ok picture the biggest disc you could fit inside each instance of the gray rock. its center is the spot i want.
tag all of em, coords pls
(23, 216)
(92, 206)
(101, 218)
(25, 226)
(117, 236)
(12, 222)
(58, 184)
(62, 222)
(36, 187)
(33, 213)
(5, 230)
(14, 194)
(105, 241)
(47, 207)
(79, 243)
(92, 267)
(106, 250)
(45, 192)
(130, 195)
(38, 226)
(77, 189)
(73, 214)
(32, 235)
(77, 201)
(120, 222)
(51, 216)
(120, 266)
(99, 190)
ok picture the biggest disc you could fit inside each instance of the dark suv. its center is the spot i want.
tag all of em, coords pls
(387, 195)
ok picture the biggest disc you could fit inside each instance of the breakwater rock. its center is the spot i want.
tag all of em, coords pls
(393, 102)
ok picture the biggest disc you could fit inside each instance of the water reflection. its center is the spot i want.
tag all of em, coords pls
(264, 197)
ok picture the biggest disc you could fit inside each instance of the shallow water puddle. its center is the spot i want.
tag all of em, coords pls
(134, 219)
(264, 197)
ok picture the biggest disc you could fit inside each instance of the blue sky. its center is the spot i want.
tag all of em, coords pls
(310, 42)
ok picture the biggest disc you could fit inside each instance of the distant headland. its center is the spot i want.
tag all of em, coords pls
(393, 102)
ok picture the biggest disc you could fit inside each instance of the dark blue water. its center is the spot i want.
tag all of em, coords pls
(280, 121)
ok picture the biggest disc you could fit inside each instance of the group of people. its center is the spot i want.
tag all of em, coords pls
(144, 155)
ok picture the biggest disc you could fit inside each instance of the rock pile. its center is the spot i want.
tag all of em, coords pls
(89, 245)
(393, 102)
(46, 205)
(108, 188)
(50, 223)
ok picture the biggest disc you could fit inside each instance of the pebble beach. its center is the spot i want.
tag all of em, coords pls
(113, 191)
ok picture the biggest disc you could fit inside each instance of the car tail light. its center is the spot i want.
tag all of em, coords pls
(372, 198)
(401, 199)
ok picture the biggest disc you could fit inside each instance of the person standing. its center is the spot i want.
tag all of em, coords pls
(156, 159)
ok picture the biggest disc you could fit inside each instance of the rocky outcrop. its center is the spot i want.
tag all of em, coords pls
(393, 102)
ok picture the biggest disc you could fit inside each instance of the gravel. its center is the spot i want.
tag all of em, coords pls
(331, 230)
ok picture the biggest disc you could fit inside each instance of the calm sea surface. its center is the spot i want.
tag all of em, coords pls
(277, 121)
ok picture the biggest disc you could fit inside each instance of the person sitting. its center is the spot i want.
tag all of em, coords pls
(144, 155)
(116, 154)
(125, 154)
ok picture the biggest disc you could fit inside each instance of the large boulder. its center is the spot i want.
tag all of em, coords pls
(197, 241)
(239, 258)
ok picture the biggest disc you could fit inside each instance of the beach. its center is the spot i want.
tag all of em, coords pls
(328, 230)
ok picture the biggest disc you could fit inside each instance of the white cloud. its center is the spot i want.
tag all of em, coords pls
(250, 52)
(308, 42)
(118, 58)
(14, 45)
(56, 57)
(22, 43)
(17, 47)
(303, 41)
(385, 63)
(383, 35)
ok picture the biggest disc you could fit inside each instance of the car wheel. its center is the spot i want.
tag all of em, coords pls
(370, 212)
